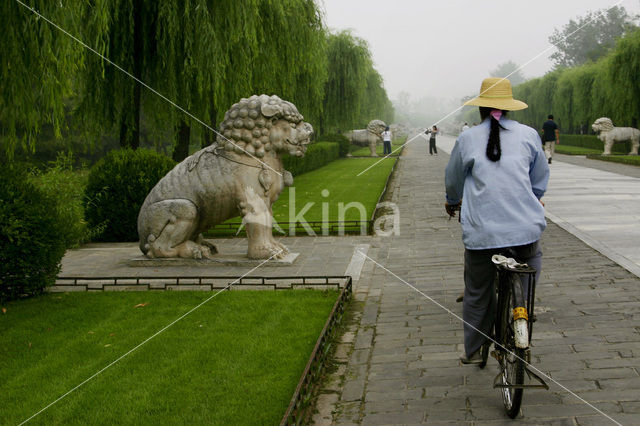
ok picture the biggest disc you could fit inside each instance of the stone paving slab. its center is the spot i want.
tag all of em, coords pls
(406, 368)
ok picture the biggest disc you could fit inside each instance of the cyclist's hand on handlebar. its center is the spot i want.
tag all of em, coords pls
(451, 209)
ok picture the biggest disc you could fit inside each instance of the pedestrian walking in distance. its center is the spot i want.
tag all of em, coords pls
(498, 173)
(465, 127)
(386, 141)
(432, 140)
(550, 137)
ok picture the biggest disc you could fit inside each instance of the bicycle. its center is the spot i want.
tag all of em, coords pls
(512, 327)
(513, 331)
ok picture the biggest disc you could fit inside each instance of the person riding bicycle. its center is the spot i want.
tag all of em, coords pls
(496, 175)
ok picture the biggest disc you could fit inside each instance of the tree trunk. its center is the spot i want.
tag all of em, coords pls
(181, 150)
(130, 120)
(209, 136)
(138, 46)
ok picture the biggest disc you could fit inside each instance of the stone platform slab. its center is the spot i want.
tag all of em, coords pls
(227, 260)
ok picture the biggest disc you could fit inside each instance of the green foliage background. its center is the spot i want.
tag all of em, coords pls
(203, 55)
(577, 96)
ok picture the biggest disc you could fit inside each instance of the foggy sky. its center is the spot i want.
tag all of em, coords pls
(445, 48)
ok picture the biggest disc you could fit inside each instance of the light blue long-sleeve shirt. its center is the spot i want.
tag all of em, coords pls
(500, 200)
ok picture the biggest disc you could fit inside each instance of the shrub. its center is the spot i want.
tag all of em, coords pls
(317, 155)
(117, 187)
(341, 140)
(67, 186)
(30, 245)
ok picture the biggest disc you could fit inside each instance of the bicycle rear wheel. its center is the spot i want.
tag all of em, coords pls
(512, 359)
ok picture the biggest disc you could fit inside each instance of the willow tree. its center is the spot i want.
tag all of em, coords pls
(124, 31)
(214, 53)
(37, 66)
(377, 103)
(563, 99)
(349, 62)
(291, 60)
(625, 74)
(185, 67)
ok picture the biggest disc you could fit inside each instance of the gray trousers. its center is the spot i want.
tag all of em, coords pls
(479, 304)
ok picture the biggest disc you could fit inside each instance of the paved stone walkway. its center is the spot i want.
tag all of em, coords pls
(398, 361)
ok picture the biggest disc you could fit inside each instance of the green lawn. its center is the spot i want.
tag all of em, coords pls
(235, 360)
(340, 179)
(360, 151)
(576, 150)
(632, 160)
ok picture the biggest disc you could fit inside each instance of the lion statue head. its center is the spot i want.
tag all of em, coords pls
(262, 124)
(602, 124)
(376, 127)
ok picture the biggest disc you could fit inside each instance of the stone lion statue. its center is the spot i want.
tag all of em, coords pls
(240, 173)
(370, 136)
(610, 134)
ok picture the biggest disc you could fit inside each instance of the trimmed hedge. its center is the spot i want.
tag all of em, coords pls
(575, 150)
(32, 234)
(592, 141)
(341, 140)
(117, 187)
(317, 155)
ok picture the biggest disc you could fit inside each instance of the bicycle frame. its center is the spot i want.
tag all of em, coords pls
(522, 317)
(529, 298)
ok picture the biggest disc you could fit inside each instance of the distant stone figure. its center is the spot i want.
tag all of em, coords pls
(242, 174)
(610, 134)
(369, 136)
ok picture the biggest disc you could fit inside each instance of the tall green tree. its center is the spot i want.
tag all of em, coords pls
(37, 65)
(591, 36)
(354, 92)
(349, 60)
(510, 69)
(213, 53)
(124, 31)
(625, 75)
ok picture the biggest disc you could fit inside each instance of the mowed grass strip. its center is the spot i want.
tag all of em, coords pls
(341, 185)
(235, 360)
(576, 150)
(364, 151)
(631, 160)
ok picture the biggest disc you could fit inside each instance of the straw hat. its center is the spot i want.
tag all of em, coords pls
(496, 93)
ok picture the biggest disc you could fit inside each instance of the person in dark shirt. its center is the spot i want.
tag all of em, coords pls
(550, 137)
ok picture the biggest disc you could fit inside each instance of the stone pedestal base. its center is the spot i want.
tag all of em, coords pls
(222, 260)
